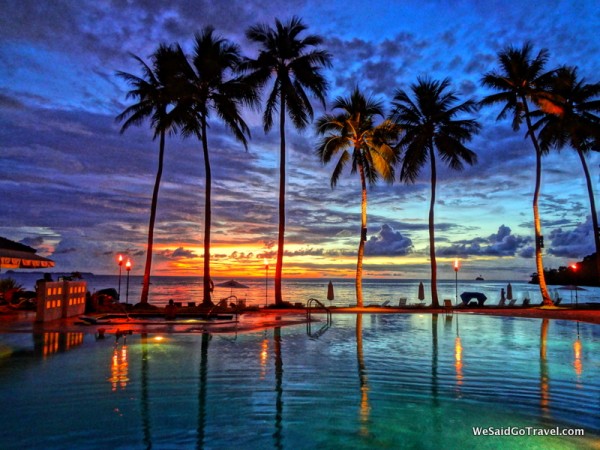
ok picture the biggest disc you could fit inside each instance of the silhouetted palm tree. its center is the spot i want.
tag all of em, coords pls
(210, 86)
(521, 79)
(295, 64)
(569, 120)
(429, 123)
(353, 135)
(154, 98)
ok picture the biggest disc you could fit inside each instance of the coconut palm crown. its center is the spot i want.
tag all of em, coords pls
(355, 140)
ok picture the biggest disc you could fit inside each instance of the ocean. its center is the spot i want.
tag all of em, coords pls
(298, 290)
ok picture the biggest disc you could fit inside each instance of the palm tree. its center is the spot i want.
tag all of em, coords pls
(521, 79)
(209, 86)
(153, 97)
(429, 123)
(295, 64)
(569, 120)
(372, 156)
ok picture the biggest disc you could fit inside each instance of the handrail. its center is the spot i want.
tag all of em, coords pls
(309, 307)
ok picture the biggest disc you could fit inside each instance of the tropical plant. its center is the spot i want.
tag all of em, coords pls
(353, 136)
(154, 98)
(522, 79)
(569, 119)
(295, 63)
(8, 288)
(429, 122)
(209, 85)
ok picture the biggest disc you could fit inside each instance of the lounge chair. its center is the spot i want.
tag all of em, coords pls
(526, 302)
(376, 305)
(402, 302)
(512, 302)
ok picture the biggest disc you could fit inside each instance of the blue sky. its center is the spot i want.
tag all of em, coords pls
(79, 191)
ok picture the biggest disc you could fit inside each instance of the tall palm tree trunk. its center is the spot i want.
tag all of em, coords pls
(281, 237)
(148, 267)
(206, 300)
(434, 295)
(546, 300)
(595, 229)
(361, 245)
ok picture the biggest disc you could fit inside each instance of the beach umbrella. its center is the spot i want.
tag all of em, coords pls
(330, 294)
(421, 294)
(232, 284)
(509, 292)
(14, 255)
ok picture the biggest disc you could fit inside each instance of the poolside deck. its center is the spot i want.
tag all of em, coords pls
(254, 320)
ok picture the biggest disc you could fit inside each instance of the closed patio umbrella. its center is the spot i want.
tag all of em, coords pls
(330, 294)
(509, 292)
(421, 295)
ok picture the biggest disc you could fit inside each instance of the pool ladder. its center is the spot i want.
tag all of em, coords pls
(309, 310)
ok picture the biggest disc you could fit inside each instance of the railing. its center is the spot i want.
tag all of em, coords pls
(309, 307)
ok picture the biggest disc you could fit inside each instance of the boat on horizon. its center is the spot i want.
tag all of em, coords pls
(479, 278)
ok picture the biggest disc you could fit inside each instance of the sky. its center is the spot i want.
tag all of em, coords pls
(75, 188)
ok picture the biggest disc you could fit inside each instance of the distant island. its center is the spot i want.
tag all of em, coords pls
(585, 275)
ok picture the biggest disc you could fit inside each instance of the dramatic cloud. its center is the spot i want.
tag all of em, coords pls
(575, 243)
(500, 244)
(388, 242)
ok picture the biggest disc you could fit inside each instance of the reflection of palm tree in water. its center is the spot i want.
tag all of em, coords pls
(278, 388)
(365, 409)
(434, 358)
(544, 375)
(202, 389)
(144, 396)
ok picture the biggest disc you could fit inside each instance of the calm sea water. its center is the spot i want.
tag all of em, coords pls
(258, 292)
(369, 381)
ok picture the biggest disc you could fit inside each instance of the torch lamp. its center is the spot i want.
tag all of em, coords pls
(128, 269)
(120, 263)
(456, 269)
(574, 267)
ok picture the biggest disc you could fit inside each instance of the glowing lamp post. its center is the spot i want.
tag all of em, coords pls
(456, 269)
(120, 262)
(128, 269)
(574, 267)
(266, 280)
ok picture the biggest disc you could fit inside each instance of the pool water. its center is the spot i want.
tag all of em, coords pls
(367, 381)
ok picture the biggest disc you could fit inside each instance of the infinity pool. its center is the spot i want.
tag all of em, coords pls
(367, 381)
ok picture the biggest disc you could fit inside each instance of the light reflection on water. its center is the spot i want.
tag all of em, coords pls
(369, 381)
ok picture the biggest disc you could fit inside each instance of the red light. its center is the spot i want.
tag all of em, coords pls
(120, 260)
(574, 266)
(128, 265)
(456, 265)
